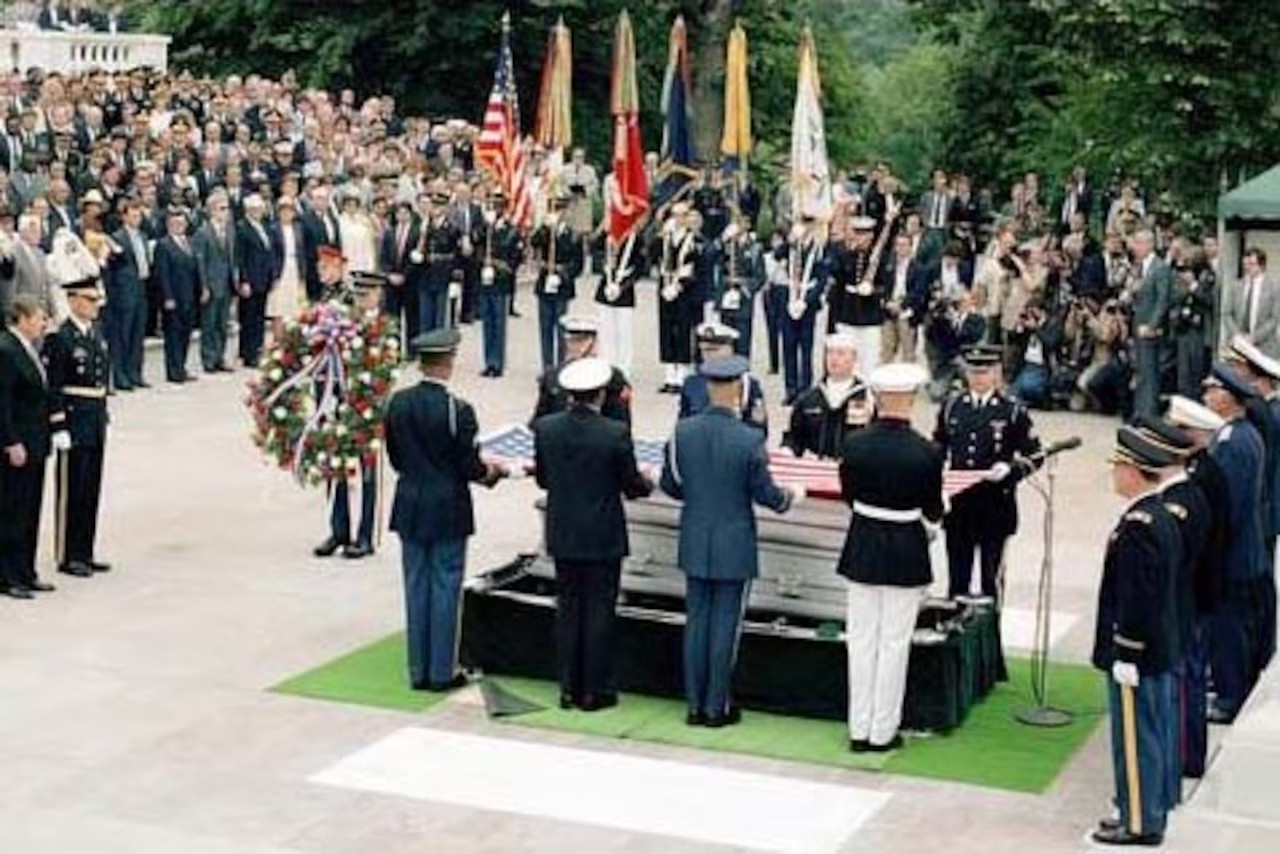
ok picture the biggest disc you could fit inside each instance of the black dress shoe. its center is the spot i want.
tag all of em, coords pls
(892, 744)
(175, 380)
(695, 719)
(328, 547)
(189, 378)
(729, 718)
(596, 703)
(566, 701)
(357, 551)
(1217, 715)
(79, 570)
(1120, 836)
(98, 566)
(226, 369)
(859, 745)
(42, 586)
(212, 370)
(123, 387)
(19, 592)
(458, 681)
(141, 384)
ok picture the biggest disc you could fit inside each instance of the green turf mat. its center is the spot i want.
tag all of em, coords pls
(373, 675)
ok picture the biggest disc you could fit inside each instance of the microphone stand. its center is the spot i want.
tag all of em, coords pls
(1041, 714)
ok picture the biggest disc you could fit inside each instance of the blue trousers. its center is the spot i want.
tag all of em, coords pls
(1146, 393)
(550, 309)
(775, 308)
(1195, 684)
(433, 308)
(1231, 647)
(1174, 729)
(797, 351)
(124, 323)
(340, 515)
(492, 306)
(1139, 730)
(432, 585)
(713, 621)
(1031, 385)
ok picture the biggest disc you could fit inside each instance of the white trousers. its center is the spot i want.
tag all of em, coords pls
(879, 623)
(615, 335)
(866, 340)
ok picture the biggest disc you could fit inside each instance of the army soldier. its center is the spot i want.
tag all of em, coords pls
(717, 466)
(585, 462)
(620, 265)
(716, 341)
(431, 262)
(580, 338)
(1238, 449)
(984, 428)
(681, 270)
(559, 254)
(78, 369)
(742, 278)
(825, 415)
(500, 256)
(892, 478)
(431, 442)
(1136, 640)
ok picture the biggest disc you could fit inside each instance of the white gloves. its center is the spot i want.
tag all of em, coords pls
(1125, 674)
(515, 471)
(61, 441)
(798, 496)
(931, 530)
(999, 472)
(612, 292)
(455, 290)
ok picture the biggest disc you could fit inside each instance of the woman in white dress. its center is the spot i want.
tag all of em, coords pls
(359, 242)
(286, 296)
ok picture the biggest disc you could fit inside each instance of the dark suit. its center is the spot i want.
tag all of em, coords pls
(124, 319)
(318, 229)
(178, 278)
(401, 301)
(256, 259)
(431, 441)
(586, 463)
(718, 467)
(78, 382)
(1150, 307)
(217, 259)
(24, 420)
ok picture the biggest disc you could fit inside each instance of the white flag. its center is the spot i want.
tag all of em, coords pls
(810, 170)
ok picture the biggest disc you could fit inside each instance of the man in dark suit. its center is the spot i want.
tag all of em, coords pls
(468, 220)
(431, 441)
(214, 245)
(1153, 282)
(401, 298)
(320, 228)
(126, 316)
(586, 463)
(24, 446)
(892, 478)
(903, 282)
(179, 279)
(718, 467)
(255, 262)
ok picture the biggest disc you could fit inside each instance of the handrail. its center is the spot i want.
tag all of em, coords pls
(71, 52)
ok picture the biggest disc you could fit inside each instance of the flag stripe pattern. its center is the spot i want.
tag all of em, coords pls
(499, 148)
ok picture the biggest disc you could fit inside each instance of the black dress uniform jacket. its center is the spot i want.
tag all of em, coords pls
(431, 441)
(1187, 504)
(820, 428)
(503, 250)
(628, 265)
(585, 462)
(553, 399)
(846, 306)
(568, 258)
(1137, 601)
(77, 366)
(890, 466)
(1206, 474)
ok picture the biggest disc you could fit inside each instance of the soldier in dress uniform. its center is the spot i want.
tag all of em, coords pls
(581, 335)
(364, 293)
(1238, 449)
(716, 341)
(1136, 640)
(892, 478)
(433, 259)
(501, 252)
(1200, 423)
(76, 363)
(681, 269)
(619, 264)
(710, 203)
(807, 272)
(984, 428)
(742, 278)
(855, 302)
(585, 462)
(825, 415)
(559, 254)
(431, 442)
(718, 467)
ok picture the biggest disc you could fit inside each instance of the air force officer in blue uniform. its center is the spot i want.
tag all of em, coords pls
(717, 465)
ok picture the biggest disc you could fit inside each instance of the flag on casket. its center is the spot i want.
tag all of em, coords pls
(821, 478)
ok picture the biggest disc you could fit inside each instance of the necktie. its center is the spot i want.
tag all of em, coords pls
(937, 210)
(1249, 292)
(402, 237)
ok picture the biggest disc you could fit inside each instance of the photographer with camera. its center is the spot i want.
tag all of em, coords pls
(1191, 318)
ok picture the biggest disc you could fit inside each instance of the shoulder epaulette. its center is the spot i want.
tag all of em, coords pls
(1176, 510)
(1140, 516)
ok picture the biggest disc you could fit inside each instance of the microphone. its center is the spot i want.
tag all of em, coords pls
(1053, 448)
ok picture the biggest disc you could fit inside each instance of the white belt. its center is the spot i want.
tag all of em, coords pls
(885, 514)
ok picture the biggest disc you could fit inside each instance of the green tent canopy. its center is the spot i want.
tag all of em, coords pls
(1255, 199)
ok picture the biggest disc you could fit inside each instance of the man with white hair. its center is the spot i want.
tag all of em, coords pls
(255, 260)
(892, 478)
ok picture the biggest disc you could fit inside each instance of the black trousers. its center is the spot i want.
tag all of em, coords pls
(178, 324)
(962, 541)
(401, 303)
(79, 493)
(124, 323)
(675, 331)
(586, 595)
(251, 312)
(21, 494)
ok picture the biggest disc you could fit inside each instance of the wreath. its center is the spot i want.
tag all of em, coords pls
(320, 397)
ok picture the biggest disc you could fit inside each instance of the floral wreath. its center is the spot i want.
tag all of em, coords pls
(319, 400)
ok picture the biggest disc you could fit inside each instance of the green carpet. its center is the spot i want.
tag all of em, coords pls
(373, 675)
(988, 749)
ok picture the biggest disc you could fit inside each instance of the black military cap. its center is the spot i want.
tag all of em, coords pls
(436, 342)
(1136, 448)
(1225, 376)
(981, 356)
(1170, 437)
(85, 287)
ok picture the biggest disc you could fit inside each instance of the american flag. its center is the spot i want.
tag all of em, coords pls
(499, 148)
(821, 478)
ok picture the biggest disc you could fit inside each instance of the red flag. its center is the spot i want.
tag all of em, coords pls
(630, 200)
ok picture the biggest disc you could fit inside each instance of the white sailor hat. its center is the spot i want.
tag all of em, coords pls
(586, 374)
(713, 332)
(898, 377)
(840, 341)
(1243, 350)
(577, 324)
(862, 223)
(1192, 414)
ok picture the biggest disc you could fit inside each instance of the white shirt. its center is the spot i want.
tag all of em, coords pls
(31, 353)
(1256, 285)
